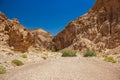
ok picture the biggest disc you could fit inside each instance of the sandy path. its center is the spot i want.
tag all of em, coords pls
(77, 68)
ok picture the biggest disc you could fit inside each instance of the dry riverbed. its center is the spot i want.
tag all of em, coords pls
(60, 68)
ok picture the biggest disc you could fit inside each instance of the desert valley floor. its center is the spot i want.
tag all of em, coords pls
(68, 68)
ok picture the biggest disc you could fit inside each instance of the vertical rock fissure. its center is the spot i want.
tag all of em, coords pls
(110, 20)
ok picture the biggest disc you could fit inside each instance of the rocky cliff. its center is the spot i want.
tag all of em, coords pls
(14, 36)
(98, 29)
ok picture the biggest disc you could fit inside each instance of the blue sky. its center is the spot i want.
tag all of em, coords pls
(51, 15)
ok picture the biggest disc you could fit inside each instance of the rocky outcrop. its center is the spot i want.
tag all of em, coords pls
(99, 29)
(17, 37)
(14, 35)
(43, 39)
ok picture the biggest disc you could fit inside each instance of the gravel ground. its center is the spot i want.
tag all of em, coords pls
(76, 68)
(32, 57)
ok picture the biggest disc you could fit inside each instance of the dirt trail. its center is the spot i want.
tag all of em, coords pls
(77, 68)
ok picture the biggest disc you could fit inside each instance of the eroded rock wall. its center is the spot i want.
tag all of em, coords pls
(15, 36)
(101, 26)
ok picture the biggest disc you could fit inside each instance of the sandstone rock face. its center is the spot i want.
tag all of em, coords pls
(14, 35)
(99, 29)
(17, 37)
(43, 39)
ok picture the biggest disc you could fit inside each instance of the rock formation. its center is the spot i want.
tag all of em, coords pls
(18, 38)
(13, 34)
(99, 29)
(43, 39)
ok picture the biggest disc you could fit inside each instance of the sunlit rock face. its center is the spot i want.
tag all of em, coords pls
(43, 39)
(98, 29)
(15, 36)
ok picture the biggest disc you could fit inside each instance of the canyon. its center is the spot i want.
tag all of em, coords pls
(98, 30)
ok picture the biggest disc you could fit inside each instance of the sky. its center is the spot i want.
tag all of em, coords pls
(50, 15)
